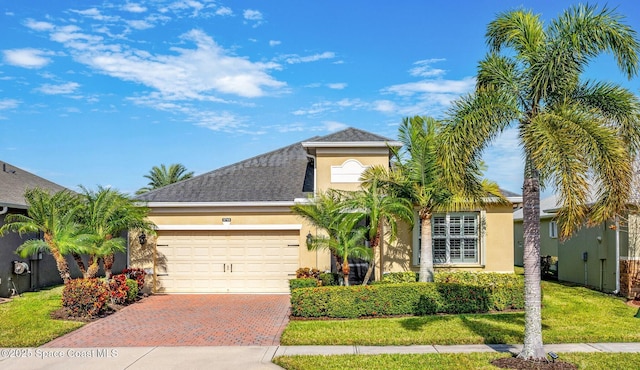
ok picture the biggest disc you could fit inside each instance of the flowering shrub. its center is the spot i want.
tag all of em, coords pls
(305, 272)
(118, 289)
(85, 297)
(132, 294)
(136, 274)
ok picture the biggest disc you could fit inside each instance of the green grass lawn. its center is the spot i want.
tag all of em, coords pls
(569, 315)
(454, 361)
(26, 321)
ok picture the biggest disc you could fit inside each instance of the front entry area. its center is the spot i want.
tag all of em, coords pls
(226, 261)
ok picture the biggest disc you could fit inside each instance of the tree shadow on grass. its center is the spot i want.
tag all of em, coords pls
(492, 328)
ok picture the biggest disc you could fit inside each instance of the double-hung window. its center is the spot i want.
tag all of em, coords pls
(455, 239)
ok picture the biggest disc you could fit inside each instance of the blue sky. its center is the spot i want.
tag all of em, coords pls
(97, 92)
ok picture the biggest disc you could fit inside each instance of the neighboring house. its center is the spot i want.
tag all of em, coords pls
(42, 268)
(232, 229)
(603, 257)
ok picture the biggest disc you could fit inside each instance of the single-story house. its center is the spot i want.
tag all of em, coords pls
(604, 257)
(232, 229)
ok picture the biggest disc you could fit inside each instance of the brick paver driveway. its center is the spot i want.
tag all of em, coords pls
(187, 320)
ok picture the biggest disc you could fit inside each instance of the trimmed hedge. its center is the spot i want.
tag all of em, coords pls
(400, 277)
(505, 290)
(452, 293)
(302, 283)
(328, 279)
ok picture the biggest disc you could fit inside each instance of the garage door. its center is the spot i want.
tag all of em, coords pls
(251, 261)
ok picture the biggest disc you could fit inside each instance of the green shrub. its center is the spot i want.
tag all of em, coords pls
(85, 297)
(132, 294)
(389, 299)
(505, 290)
(400, 277)
(328, 279)
(302, 283)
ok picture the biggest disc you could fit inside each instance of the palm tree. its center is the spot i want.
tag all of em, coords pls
(573, 133)
(323, 212)
(105, 214)
(420, 176)
(379, 208)
(349, 243)
(54, 217)
(163, 176)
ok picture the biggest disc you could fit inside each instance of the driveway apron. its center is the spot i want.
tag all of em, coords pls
(187, 320)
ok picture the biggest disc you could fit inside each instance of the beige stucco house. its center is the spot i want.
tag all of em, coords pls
(232, 230)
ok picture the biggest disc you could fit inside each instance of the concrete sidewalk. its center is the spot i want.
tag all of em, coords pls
(238, 357)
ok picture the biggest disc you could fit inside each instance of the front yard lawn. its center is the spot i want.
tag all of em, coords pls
(450, 361)
(569, 315)
(26, 320)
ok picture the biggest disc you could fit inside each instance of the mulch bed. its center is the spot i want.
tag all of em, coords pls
(65, 314)
(521, 364)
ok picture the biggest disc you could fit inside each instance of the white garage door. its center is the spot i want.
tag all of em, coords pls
(245, 261)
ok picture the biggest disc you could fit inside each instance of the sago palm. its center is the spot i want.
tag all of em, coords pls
(575, 134)
(104, 215)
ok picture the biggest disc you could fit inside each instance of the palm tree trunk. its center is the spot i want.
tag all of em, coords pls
(108, 260)
(94, 265)
(533, 348)
(346, 270)
(108, 264)
(80, 263)
(426, 247)
(61, 262)
(374, 249)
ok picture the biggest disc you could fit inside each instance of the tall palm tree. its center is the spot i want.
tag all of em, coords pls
(421, 177)
(54, 217)
(163, 176)
(379, 208)
(104, 215)
(573, 133)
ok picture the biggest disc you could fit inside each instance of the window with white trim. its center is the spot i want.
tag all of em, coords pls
(553, 230)
(455, 238)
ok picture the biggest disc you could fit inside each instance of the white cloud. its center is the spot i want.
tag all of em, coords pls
(252, 15)
(38, 26)
(224, 11)
(274, 42)
(337, 85)
(294, 59)
(433, 86)
(139, 24)
(134, 8)
(63, 89)
(8, 104)
(26, 58)
(187, 73)
(423, 68)
(385, 106)
(333, 126)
